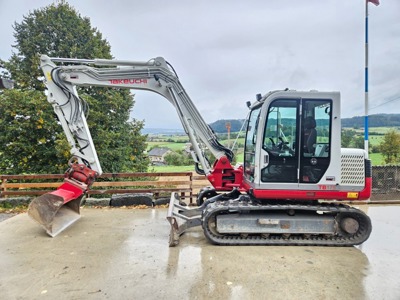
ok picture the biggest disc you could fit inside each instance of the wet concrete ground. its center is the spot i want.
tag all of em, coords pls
(5, 216)
(124, 254)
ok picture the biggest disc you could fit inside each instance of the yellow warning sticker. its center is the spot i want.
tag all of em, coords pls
(352, 195)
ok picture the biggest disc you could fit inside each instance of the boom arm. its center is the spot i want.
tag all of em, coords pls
(155, 75)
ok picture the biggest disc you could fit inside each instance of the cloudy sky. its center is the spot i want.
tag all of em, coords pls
(227, 51)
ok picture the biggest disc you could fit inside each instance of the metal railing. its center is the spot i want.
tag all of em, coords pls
(385, 183)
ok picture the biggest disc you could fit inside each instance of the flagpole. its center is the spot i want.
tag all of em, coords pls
(366, 80)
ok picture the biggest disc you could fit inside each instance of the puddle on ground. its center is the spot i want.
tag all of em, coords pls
(382, 249)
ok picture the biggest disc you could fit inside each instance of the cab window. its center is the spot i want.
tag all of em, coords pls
(250, 146)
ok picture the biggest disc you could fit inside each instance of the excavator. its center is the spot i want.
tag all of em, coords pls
(289, 190)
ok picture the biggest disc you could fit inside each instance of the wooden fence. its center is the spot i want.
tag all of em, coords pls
(160, 184)
(386, 184)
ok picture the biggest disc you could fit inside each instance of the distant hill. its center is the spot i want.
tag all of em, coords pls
(220, 125)
(377, 120)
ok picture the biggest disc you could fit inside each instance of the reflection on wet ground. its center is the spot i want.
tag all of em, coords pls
(277, 273)
(124, 254)
(383, 249)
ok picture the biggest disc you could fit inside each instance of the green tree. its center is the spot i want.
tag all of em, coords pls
(347, 136)
(56, 30)
(358, 142)
(178, 158)
(390, 147)
(59, 30)
(28, 134)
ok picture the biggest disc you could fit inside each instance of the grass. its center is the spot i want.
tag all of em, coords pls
(9, 209)
(380, 130)
(171, 168)
(377, 159)
(375, 140)
(162, 142)
(170, 145)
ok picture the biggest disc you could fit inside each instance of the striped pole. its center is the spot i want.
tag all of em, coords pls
(376, 3)
(366, 80)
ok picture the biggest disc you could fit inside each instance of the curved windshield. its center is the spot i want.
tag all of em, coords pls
(250, 146)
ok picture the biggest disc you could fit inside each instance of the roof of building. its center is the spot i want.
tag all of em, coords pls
(159, 151)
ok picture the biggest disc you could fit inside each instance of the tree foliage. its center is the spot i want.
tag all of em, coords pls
(178, 158)
(359, 142)
(350, 139)
(58, 30)
(347, 136)
(28, 134)
(390, 147)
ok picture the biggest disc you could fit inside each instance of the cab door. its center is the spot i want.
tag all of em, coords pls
(280, 147)
(315, 155)
(296, 144)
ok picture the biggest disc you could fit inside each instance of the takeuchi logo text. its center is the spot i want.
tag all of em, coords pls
(128, 81)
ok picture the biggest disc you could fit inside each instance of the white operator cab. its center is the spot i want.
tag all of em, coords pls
(293, 141)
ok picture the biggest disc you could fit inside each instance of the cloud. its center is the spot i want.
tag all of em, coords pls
(226, 52)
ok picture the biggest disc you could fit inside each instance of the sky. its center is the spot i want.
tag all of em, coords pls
(227, 51)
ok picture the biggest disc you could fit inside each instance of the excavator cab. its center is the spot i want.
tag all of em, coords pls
(288, 147)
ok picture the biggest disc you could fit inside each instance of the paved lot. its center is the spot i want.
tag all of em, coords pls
(5, 216)
(124, 254)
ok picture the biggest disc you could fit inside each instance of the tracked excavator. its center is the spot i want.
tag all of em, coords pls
(288, 191)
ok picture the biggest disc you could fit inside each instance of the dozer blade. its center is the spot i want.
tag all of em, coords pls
(181, 218)
(57, 210)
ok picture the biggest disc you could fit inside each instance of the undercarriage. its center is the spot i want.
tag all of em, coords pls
(237, 219)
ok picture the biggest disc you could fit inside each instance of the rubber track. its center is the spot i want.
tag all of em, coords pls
(338, 210)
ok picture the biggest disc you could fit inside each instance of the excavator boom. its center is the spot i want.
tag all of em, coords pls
(155, 75)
